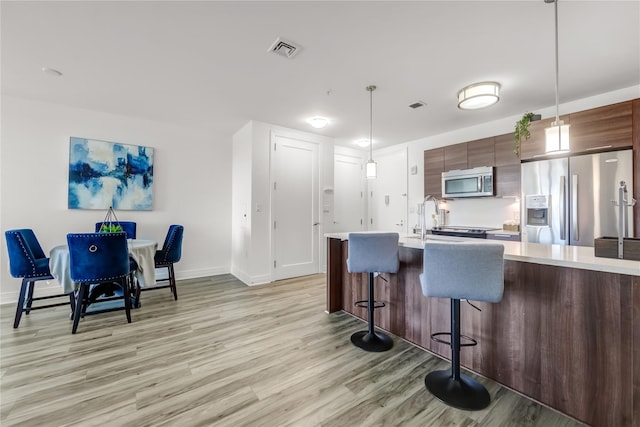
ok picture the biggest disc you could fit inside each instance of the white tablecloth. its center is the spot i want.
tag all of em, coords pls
(141, 250)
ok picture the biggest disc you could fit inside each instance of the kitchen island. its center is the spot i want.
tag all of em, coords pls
(566, 333)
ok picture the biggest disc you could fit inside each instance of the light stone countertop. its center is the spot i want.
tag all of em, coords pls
(581, 257)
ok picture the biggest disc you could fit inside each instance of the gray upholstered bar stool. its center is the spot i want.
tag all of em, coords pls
(473, 271)
(372, 253)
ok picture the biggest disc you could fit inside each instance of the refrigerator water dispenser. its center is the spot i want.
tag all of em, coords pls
(537, 207)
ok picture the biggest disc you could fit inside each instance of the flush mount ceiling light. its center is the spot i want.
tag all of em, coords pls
(318, 122)
(363, 142)
(372, 168)
(478, 95)
(51, 72)
(557, 135)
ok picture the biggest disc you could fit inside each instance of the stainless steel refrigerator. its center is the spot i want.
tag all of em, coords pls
(573, 200)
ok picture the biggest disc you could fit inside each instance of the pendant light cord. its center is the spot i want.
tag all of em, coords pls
(371, 88)
(557, 98)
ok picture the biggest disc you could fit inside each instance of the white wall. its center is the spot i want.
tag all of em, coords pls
(259, 269)
(391, 181)
(360, 156)
(241, 212)
(192, 172)
(489, 212)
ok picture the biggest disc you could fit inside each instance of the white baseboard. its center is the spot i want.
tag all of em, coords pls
(42, 289)
(249, 280)
(197, 273)
(52, 287)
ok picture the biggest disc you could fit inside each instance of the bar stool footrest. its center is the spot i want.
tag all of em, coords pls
(365, 304)
(471, 342)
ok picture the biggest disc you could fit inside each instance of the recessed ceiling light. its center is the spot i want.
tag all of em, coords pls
(51, 72)
(363, 142)
(318, 122)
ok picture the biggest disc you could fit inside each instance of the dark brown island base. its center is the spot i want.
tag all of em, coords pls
(566, 333)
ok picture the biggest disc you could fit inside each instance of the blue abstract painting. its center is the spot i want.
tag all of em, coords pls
(108, 174)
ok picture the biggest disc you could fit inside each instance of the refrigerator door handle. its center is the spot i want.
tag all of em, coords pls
(563, 208)
(574, 207)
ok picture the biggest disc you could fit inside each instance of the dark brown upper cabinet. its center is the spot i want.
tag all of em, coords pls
(455, 157)
(602, 128)
(504, 149)
(598, 129)
(480, 153)
(507, 172)
(433, 168)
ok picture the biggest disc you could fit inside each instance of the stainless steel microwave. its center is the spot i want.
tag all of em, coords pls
(476, 182)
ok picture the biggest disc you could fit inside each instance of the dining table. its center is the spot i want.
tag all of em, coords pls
(141, 250)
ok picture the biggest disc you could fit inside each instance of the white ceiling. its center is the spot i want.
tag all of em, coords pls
(205, 63)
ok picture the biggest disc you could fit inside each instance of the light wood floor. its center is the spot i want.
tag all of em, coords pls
(226, 354)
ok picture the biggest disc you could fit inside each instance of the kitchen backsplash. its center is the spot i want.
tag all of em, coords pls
(479, 212)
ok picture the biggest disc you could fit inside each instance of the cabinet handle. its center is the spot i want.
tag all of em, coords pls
(599, 148)
(574, 208)
(563, 207)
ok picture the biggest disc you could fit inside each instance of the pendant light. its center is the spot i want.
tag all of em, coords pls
(557, 135)
(372, 167)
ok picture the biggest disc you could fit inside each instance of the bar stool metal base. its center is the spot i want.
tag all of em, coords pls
(373, 342)
(464, 393)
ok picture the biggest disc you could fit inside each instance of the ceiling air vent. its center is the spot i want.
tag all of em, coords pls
(417, 104)
(285, 48)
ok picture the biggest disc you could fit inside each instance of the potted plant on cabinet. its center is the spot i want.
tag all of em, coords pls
(521, 131)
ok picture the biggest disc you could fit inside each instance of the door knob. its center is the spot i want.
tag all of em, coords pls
(316, 223)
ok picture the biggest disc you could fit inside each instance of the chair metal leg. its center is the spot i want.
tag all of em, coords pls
(127, 297)
(31, 285)
(20, 307)
(72, 302)
(172, 282)
(79, 306)
(136, 297)
(370, 340)
(452, 387)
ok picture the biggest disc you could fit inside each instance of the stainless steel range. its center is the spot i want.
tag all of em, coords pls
(461, 231)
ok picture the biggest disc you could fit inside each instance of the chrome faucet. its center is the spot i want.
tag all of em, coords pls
(423, 218)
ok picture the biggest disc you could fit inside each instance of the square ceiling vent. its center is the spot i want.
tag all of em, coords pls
(285, 48)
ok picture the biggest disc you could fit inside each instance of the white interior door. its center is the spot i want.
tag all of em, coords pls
(294, 171)
(388, 193)
(348, 193)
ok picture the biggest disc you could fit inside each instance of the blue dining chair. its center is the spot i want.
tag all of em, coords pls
(28, 261)
(128, 227)
(99, 265)
(165, 258)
